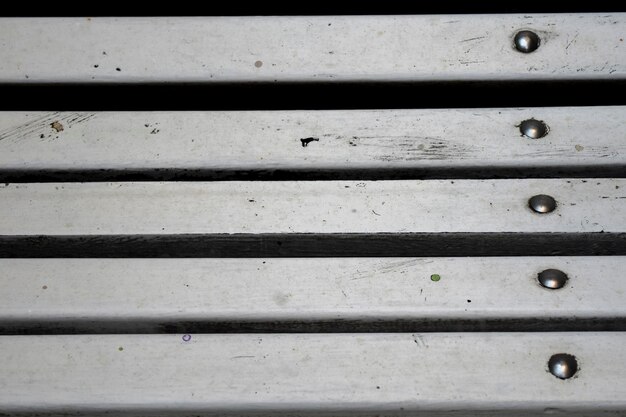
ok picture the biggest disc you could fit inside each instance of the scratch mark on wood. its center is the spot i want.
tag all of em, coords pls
(419, 340)
(472, 39)
(44, 126)
(413, 148)
(386, 267)
(563, 152)
(471, 62)
(571, 42)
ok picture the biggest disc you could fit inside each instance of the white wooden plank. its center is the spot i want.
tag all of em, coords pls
(153, 290)
(447, 139)
(419, 374)
(591, 205)
(325, 48)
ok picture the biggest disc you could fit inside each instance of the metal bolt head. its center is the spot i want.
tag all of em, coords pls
(542, 203)
(552, 278)
(563, 365)
(526, 41)
(533, 129)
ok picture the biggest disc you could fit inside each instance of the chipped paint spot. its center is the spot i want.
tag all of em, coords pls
(56, 125)
(579, 147)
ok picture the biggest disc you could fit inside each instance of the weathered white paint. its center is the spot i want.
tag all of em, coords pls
(446, 138)
(308, 289)
(324, 48)
(584, 205)
(418, 373)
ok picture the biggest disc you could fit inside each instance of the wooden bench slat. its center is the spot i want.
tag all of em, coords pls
(151, 294)
(312, 48)
(483, 139)
(433, 206)
(419, 374)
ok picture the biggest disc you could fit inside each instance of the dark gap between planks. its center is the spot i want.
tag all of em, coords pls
(319, 7)
(430, 173)
(309, 95)
(314, 245)
(143, 326)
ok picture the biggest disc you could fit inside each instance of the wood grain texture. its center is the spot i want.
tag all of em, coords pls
(312, 48)
(486, 140)
(401, 374)
(328, 294)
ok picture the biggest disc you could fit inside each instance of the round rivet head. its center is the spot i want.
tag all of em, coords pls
(526, 41)
(552, 278)
(542, 203)
(533, 129)
(563, 365)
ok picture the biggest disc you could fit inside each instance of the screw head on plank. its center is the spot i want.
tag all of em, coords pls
(563, 365)
(542, 203)
(526, 41)
(533, 129)
(552, 278)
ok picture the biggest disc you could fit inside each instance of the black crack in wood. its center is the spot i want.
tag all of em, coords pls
(306, 141)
